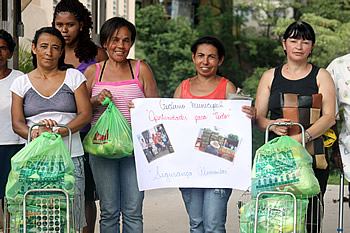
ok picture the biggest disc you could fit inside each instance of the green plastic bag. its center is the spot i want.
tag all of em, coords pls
(111, 136)
(43, 163)
(283, 164)
(275, 215)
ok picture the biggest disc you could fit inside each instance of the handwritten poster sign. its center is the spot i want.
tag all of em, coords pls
(192, 143)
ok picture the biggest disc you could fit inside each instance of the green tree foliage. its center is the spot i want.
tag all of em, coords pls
(145, 3)
(260, 51)
(233, 137)
(25, 59)
(330, 9)
(246, 48)
(165, 45)
(332, 40)
(251, 83)
(332, 37)
(267, 12)
(216, 19)
(250, 87)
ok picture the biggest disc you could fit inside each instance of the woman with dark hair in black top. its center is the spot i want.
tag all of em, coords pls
(300, 77)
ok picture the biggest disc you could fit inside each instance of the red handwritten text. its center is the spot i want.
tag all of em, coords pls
(199, 118)
(221, 116)
(153, 117)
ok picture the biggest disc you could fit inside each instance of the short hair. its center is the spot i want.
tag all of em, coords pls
(55, 32)
(113, 24)
(11, 44)
(300, 29)
(86, 49)
(209, 40)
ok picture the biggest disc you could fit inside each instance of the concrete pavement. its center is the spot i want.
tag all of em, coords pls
(164, 212)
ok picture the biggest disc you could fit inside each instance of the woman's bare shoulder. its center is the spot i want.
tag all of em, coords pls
(267, 77)
(230, 88)
(324, 78)
(269, 73)
(91, 69)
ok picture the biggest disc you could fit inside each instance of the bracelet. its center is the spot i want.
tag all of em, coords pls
(309, 138)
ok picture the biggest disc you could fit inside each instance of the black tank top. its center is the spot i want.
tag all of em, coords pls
(303, 86)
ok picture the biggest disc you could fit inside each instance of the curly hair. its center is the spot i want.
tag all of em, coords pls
(11, 44)
(86, 48)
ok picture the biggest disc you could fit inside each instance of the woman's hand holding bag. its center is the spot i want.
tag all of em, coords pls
(111, 136)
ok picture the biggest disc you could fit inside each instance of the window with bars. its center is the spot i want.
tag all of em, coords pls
(4, 10)
(115, 9)
(125, 8)
(89, 4)
(54, 4)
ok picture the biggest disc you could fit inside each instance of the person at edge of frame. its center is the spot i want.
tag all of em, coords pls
(10, 142)
(298, 76)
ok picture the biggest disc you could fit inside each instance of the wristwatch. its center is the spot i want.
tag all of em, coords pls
(309, 138)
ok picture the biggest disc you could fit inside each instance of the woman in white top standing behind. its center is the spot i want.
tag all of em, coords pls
(10, 143)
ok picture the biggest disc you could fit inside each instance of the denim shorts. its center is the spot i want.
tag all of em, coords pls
(79, 199)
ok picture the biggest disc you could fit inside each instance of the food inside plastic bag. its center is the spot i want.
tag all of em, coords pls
(275, 215)
(283, 164)
(42, 215)
(111, 136)
(42, 163)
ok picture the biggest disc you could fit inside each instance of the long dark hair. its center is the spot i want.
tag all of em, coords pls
(54, 32)
(113, 24)
(86, 49)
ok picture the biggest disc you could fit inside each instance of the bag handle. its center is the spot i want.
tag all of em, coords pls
(285, 124)
(107, 101)
(58, 125)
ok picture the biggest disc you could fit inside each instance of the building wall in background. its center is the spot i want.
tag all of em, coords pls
(39, 13)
